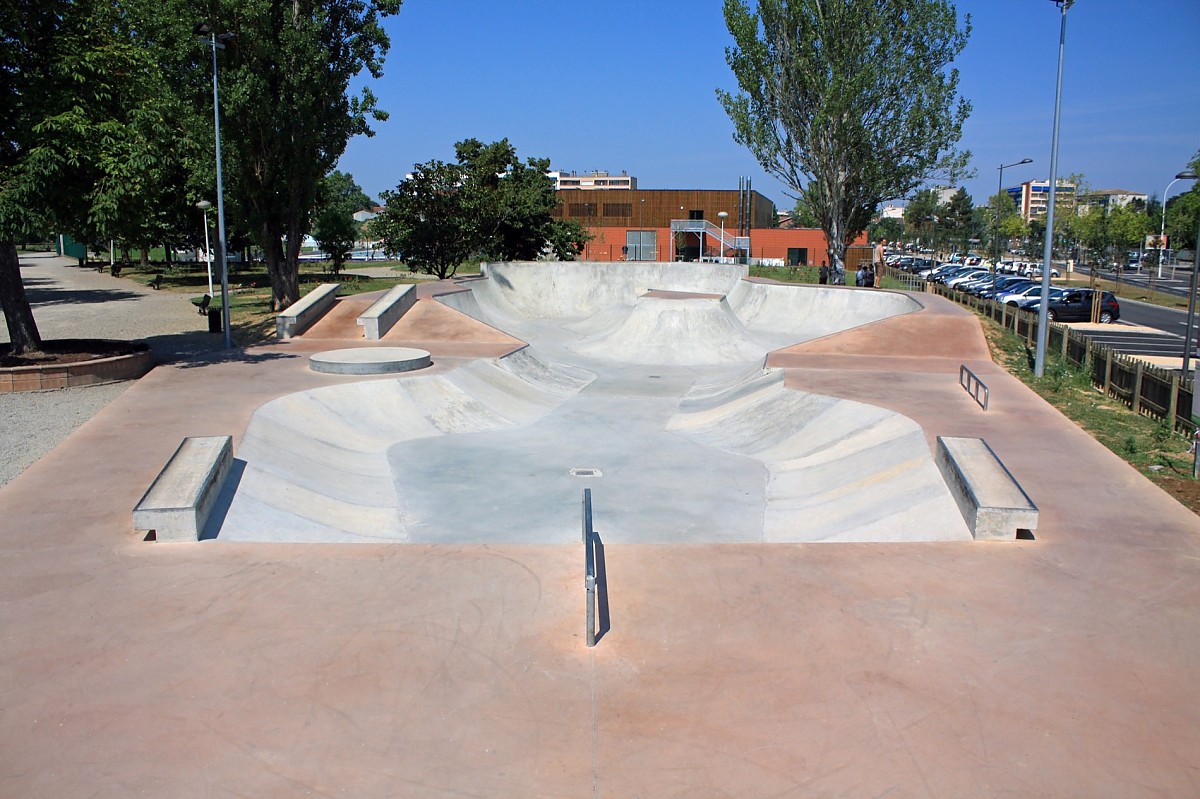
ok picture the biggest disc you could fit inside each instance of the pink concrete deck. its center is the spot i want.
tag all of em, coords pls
(1064, 666)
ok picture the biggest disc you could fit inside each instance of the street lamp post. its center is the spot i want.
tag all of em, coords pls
(1000, 192)
(218, 43)
(1039, 363)
(722, 215)
(204, 205)
(1162, 231)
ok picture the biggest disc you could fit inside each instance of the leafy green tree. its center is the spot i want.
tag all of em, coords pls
(334, 228)
(804, 216)
(848, 102)
(956, 216)
(1183, 215)
(513, 203)
(1004, 223)
(921, 213)
(93, 137)
(287, 111)
(426, 220)
(487, 205)
(888, 228)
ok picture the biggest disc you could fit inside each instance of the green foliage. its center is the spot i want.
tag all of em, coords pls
(486, 205)
(288, 112)
(848, 103)
(888, 228)
(334, 228)
(921, 213)
(956, 218)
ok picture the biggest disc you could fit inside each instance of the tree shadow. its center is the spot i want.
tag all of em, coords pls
(46, 295)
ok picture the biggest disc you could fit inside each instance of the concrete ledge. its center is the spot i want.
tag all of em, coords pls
(377, 320)
(992, 502)
(303, 314)
(179, 501)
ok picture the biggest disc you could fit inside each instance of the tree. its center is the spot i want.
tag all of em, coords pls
(888, 228)
(956, 216)
(93, 137)
(287, 113)
(848, 102)
(488, 205)
(426, 222)
(334, 228)
(920, 214)
(803, 215)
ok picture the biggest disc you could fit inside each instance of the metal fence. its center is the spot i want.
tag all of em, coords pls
(1148, 390)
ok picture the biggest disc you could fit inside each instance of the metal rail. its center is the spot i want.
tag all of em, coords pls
(974, 386)
(589, 565)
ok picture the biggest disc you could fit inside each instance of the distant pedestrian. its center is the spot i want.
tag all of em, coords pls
(872, 275)
(823, 275)
(860, 277)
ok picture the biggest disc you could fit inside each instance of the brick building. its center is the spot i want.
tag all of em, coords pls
(690, 225)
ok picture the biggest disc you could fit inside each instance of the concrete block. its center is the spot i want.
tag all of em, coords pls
(992, 502)
(303, 314)
(377, 320)
(177, 504)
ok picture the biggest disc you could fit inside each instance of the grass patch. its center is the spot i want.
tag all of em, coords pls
(1149, 445)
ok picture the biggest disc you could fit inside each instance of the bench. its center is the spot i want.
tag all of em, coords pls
(385, 312)
(202, 305)
(991, 501)
(304, 313)
(156, 283)
(178, 503)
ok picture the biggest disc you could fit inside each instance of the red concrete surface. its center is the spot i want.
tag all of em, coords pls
(1061, 667)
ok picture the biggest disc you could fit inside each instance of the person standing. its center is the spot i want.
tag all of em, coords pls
(823, 275)
(878, 262)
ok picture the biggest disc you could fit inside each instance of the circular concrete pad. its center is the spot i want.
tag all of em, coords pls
(369, 360)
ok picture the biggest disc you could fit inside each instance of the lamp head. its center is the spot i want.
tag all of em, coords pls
(204, 205)
(1187, 174)
(1026, 161)
(203, 28)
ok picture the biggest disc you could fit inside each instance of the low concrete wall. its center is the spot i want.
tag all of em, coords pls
(385, 312)
(992, 502)
(304, 314)
(70, 375)
(177, 504)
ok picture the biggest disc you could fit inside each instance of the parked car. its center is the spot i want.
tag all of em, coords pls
(1016, 292)
(970, 274)
(1075, 305)
(1030, 301)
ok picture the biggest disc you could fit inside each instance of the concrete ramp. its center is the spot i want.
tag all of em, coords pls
(685, 331)
(839, 470)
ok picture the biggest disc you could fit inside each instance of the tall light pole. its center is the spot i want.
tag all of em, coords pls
(204, 205)
(1000, 193)
(1162, 231)
(218, 43)
(722, 215)
(1039, 363)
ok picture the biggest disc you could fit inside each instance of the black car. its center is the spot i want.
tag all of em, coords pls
(1075, 305)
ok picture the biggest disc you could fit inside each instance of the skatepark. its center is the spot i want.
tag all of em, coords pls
(388, 599)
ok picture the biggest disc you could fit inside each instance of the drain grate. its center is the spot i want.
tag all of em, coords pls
(585, 473)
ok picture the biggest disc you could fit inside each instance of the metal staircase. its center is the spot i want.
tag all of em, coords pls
(705, 229)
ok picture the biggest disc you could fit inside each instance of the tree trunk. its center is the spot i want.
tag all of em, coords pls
(272, 242)
(145, 259)
(290, 269)
(22, 329)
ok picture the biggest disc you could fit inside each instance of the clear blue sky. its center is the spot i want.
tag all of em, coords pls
(630, 85)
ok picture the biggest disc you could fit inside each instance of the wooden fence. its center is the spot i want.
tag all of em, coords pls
(1148, 390)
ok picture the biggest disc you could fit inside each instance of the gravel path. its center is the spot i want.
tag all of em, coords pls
(69, 302)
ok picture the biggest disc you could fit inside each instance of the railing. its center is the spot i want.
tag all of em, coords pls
(728, 241)
(589, 566)
(974, 386)
(1148, 390)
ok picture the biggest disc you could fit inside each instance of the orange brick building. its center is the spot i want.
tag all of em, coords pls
(692, 225)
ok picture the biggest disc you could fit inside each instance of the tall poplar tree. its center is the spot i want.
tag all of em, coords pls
(848, 102)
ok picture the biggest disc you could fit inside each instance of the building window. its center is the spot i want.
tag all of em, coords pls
(581, 210)
(618, 209)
